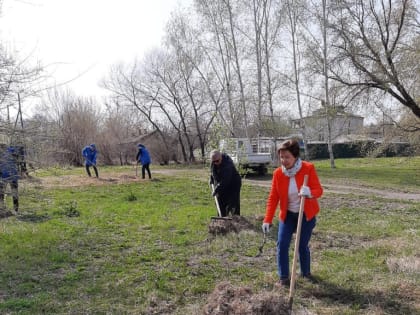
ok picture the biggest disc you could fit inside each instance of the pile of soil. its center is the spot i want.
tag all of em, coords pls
(229, 300)
(229, 224)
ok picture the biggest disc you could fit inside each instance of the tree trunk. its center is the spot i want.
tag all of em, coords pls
(326, 86)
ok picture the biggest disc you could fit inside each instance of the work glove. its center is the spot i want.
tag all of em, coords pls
(305, 191)
(266, 227)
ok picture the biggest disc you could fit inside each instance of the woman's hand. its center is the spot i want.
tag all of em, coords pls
(266, 227)
(305, 191)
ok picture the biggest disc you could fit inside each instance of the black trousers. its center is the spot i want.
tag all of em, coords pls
(94, 168)
(229, 202)
(15, 195)
(144, 168)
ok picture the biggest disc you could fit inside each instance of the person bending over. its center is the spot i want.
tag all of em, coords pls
(227, 183)
(143, 157)
(89, 153)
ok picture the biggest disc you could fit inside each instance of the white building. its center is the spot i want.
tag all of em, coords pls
(342, 124)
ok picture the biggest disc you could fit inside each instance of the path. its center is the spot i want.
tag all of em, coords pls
(201, 174)
(357, 190)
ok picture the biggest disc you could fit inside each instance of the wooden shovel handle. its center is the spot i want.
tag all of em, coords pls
(216, 201)
(297, 240)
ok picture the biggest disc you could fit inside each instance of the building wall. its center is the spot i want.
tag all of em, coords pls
(317, 128)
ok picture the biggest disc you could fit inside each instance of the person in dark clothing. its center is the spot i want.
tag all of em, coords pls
(89, 153)
(143, 157)
(227, 183)
(9, 175)
(19, 154)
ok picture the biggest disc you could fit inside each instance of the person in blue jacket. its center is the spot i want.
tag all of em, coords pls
(89, 153)
(143, 157)
(9, 175)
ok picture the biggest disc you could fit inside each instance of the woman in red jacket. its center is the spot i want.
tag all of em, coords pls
(286, 190)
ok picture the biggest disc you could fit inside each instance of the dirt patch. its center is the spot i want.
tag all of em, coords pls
(158, 306)
(229, 300)
(83, 180)
(235, 224)
(321, 240)
(337, 202)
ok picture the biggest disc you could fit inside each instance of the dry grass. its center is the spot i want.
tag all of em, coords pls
(229, 300)
(404, 264)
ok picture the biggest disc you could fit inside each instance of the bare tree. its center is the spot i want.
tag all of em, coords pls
(120, 125)
(165, 88)
(295, 18)
(18, 80)
(78, 120)
(271, 27)
(41, 138)
(221, 44)
(238, 69)
(161, 89)
(319, 54)
(198, 84)
(215, 46)
(266, 21)
(327, 104)
(376, 40)
(259, 11)
(130, 87)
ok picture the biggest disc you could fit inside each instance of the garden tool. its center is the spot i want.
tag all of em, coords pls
(137, 165)
(219, 217)
(260, 249)
(295, 254)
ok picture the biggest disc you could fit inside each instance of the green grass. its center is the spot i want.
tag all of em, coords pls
(402, 173)
(144, 247)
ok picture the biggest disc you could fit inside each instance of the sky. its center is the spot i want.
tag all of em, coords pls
(79, 40)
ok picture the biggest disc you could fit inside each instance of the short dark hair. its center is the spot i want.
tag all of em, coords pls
(291, 145)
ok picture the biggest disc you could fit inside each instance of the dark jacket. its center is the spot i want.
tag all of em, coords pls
(225, 177)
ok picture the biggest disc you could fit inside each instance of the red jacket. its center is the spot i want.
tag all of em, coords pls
(280, 189)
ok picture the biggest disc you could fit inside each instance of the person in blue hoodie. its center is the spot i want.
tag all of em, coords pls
(9, 175)
(89, 153)
(143, 157)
